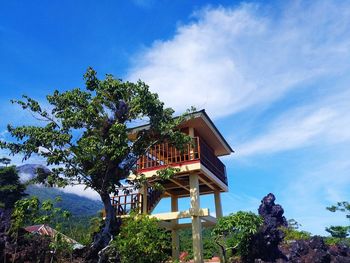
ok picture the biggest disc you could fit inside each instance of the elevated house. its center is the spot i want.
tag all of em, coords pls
(200, 173)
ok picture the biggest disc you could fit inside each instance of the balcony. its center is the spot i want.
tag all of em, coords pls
(164, 155)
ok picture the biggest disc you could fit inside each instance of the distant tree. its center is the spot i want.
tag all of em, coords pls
(340, 231)
(5, 161)
(87, 137)
(11, 188)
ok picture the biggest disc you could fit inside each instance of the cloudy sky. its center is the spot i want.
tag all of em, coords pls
(274, 76)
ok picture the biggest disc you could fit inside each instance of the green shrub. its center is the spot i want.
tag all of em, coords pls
(141, 240)
(233, 233)
(294, 234)
(336, 241)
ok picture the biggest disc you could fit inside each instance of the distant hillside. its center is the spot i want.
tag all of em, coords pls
(77, 205)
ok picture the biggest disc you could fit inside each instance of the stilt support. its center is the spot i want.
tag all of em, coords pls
(196, 220)
(218, 207)
(175, 243)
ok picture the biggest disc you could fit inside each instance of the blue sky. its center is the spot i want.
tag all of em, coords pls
(273, 76)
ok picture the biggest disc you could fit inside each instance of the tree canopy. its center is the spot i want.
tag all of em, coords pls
(11, 188)
(85, 134)
(340, 231)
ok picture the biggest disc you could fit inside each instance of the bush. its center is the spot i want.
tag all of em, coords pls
(141, 240)
(291, 234)
(330, 241)
(234, 232)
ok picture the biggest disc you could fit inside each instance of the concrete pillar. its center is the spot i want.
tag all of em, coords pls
(175, 242)
(218, 207)
(196, 220)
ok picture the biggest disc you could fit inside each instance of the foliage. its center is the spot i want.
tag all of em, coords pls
(5, 161)
(61, 248)
(82, 228)
(337, 241)
(340, 231)
(76, 204)
(11, 189)
(291, 234)
(210, 248)
(31, 211)
(233, 233)
(86, 136)
(141, 240)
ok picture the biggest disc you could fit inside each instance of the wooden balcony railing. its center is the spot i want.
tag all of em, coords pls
(163, 155)
(213, 163)
(124, 204)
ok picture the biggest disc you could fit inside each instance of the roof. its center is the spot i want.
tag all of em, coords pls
(206, 129)
(49, 231)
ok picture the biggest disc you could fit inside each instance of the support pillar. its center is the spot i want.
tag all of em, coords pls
(144, 199)
(175, 242)
(218, 206)
(196, 220)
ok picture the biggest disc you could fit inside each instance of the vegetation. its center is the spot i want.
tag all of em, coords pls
(5, 161)
(82, 228)
(78, 206)
(210, 247)
(11, 189)
(340, 231)
(86, 137)
(233, 233)
(292, 232)
(141, 240)
(30, 211)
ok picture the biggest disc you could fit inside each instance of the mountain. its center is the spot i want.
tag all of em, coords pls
(76, 204)
(27, 171)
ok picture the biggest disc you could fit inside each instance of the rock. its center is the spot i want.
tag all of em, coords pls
(317, 242)
(264, 245)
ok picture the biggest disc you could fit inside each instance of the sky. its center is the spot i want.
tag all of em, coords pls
(273, 76)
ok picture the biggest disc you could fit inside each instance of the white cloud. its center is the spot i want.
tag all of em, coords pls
(81, 190)
(323, 122)
(321, 185)
(228, 60)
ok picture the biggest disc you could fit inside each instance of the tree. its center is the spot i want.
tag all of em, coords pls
(85, 135)
(11, 188)
(234, 232)
(5, 161)
(340, 231)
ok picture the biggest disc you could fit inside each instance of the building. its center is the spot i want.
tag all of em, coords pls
(200, 172)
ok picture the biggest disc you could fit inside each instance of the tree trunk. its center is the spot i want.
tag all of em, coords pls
(108, 231)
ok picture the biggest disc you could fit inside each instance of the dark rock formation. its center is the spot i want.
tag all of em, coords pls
(316, 251)
(264, 245)
(267, 246)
